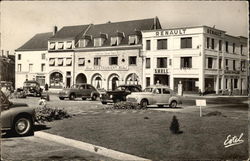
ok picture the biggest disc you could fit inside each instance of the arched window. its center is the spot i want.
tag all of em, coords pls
(56, 80)
(132, 79)
(81, 78)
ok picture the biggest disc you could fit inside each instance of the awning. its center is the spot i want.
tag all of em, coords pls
(69, 45)
(52, 46)
(52, 61)
(81, 61)
(113, 41)
(68, 61)
(60, 62)
(60, 45)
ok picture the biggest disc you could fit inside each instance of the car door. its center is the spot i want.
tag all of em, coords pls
(157, 96)
(81, 90)
(88, 90)
(166, 94)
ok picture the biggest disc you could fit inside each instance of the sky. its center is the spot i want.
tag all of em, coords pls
(21, 20)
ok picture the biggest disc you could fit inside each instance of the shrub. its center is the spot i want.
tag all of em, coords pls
(126, 105)
(48, 114)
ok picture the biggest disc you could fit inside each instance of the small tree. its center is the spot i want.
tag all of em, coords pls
(174, 127)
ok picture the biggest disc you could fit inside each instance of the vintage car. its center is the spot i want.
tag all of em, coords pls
(7, 88)
(32, 88)
(155, 95)
(16, 117)
(81, 90)
(119, 94)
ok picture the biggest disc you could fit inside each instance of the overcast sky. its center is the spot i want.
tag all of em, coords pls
(22, 20)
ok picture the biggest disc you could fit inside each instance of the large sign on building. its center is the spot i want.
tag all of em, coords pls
(107, 68)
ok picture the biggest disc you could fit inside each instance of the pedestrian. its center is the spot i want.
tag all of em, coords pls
(46, 87)
(175, 127)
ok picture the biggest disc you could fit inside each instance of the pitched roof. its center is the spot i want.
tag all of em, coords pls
(69, 32)
(126, 27)
(37, 42)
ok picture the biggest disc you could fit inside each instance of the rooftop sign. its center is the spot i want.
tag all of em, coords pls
(170, 32)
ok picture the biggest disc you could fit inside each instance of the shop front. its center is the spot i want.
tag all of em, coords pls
(189, 85)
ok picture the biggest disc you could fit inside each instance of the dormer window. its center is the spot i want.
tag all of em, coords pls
(133, 40)
(52, 46)
(60, 45)
(115, 40)
(99, 41)
(69, 45)
(84, 41)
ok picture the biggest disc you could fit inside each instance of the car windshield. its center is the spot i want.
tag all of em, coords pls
(121, 88)
(148, 89)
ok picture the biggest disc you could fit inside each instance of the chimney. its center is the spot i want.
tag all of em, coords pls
(54, 30)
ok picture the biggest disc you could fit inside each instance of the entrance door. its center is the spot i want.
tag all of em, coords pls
(68, 82)
(161, 79)
(114, 83)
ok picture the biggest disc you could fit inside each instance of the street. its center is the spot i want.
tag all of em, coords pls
(94, 123)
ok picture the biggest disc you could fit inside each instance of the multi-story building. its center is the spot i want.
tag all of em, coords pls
(7, 67)
(104, 55)
(200, 58)
(31, 60)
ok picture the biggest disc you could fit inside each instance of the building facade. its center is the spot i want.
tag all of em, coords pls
(202, 59)
(31, 60)
(7, 67)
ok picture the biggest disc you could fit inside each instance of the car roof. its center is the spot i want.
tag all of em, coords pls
(158, 86)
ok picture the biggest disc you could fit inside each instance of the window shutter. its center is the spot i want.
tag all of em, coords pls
(190, 62)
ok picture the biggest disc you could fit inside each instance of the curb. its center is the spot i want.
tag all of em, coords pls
(89, 147)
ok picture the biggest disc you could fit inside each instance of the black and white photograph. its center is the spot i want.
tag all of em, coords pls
(124, 80)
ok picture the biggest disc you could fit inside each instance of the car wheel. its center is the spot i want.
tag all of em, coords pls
(72, 97)
(23, 126)
(83, 98)
(93, 97)
(144, 103)
(104, 103)
(61, 98)
(173, 104)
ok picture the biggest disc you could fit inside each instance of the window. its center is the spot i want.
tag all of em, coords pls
(81, 61)
(52, 62)
(148, 45)
(226, 64)
(165, 91)
(60, 45)
(241, 49)
(42, 67)
(132, 60)
(226, 83)
(30, 67)
(219, 83)
(60, 62)
(162, 44)
(83, 43)
(210, 63)
(208, 41)
(186, 42)
(234, 68)
(227, 46)
(235, 83)
(69, 45)
(170, 62)
(147, 81)
(113, 61)
(220, 45)
(52, 46)
(43, 56)
(212, 43)
(220, 62)
(233, 47)
(68, 61)
(162, 63)
(133, 40)
(19, 67)
(19, 56)
(97, 61)
(114, 41)
(97, 42)
(186, 62)
(242, 64)
(147, 62)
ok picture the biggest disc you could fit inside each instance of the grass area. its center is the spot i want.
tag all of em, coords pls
(128, 131)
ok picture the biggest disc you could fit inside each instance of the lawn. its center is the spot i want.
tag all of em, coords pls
(146, 133)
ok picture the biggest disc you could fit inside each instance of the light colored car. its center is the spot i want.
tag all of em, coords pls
(16, 117)
(155, 95)
(81, 90)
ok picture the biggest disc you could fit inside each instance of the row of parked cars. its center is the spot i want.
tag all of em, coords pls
(159, 95)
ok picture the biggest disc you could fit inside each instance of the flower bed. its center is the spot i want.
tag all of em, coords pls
(126, 105)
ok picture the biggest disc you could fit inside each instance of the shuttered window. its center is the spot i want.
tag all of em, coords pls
(186, 42)
(162, 44)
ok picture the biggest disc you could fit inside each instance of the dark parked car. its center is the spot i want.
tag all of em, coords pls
(81, 90)
(16, 117)
(119, 94)
(32, 88)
